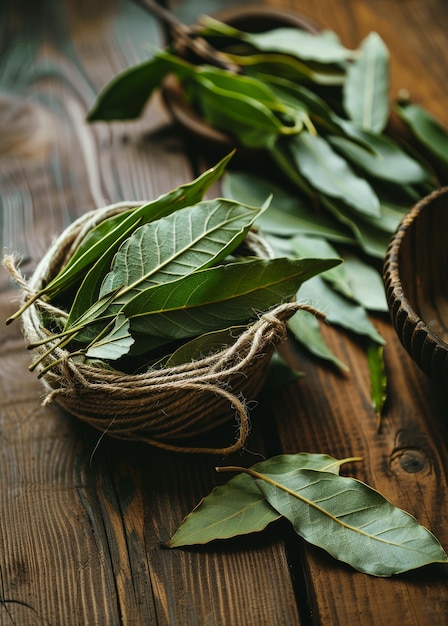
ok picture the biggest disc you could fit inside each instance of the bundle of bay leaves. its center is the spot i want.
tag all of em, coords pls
(164, 281)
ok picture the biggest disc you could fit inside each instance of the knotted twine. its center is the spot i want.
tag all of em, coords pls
(157, 406)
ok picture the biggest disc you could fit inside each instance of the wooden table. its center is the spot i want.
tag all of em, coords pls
(82, 525)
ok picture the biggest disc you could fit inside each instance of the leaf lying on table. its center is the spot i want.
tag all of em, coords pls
(239, 507)
(347, 518)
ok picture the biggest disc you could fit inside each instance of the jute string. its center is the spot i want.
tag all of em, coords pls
(158, 406)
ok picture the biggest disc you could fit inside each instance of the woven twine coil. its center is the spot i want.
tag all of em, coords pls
(164, 406)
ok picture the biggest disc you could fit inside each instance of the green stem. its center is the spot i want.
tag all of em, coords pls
(23, 308)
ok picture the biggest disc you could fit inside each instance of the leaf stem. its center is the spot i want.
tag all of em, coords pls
(24, 307)
(63, 342)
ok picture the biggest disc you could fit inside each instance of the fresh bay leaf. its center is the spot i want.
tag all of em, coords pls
(126, 95)
(366, 89)
(256, 123)
(386, 160)
(287, 214)
(114, 344)
(351, 521)
(369, 231)
(338, 309)
(202, 346)
(189, 239)
(239, 83)
(280, 373)
(265, 66)
(320, 47)
(366, 283)
(330, 174)
(426, 128)
(239, 508)
(305, 246)
(212, 298)
(94, 255)
(306, 330)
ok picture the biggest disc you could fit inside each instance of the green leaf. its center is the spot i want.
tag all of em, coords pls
(366, 283)
(212, 298)
(306, 330)
(321, 47)
(378, 378)
(239, 508)
(386, 160)
(368, 231)
(280, 374)
(202, 346)
(93, 257)
(287, 214)
(429, 132)
(336, 276)
(366, 89)
(240, 111)
(338, 309)
(329, 173)
(162, 251)
(126, 95)
(114, 344)
(264, 66)
(351, 521)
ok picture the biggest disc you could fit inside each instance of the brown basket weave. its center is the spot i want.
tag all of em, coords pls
(160, 406)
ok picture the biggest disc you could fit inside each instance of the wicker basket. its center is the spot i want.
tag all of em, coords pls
(166, 407)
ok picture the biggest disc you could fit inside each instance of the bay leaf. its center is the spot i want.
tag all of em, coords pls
(306, 330)
(330, 174)
(351, 521)
(386, 160)
(256, 123)
(366, 283)
(369, 231)
(287, 214)
(239, 508)
(95, 252)
(114, 344)
(366, 88)
(280, 373)
(264, 66)
(305, 246)
(323, 47)
(189, 239)
(426, 129)
(125, 96)
(338, 309)
(212, 298)
(203, 345)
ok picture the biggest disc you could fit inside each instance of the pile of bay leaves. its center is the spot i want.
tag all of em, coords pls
(163, 282)
(320, 113)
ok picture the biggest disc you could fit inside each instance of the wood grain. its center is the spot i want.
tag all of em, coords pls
(83, 519)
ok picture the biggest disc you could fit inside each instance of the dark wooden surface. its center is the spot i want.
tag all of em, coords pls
(82, 525)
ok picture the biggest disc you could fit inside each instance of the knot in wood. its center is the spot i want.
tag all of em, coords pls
(410, 460)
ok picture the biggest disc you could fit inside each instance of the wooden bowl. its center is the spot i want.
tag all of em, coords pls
(251, 18)
(416, 280)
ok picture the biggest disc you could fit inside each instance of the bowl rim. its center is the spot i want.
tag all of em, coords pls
(395, 293)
